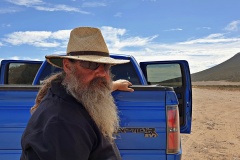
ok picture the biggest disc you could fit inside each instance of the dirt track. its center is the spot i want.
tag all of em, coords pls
(215, 126)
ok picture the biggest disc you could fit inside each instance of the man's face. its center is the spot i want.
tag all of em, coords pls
(87, 72)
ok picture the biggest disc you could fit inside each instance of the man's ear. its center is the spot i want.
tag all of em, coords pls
(67, 65)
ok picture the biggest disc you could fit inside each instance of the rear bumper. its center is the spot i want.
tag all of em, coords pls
(177, 156)
(149, 155)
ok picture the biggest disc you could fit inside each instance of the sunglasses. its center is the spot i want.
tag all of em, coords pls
(94, 65)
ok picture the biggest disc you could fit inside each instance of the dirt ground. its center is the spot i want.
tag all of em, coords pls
(215, 126)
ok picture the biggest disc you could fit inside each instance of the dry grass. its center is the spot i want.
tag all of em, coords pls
(219, 87)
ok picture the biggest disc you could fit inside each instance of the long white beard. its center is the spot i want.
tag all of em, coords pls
(97, 99)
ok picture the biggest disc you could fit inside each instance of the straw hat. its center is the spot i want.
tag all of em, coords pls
(86, 44)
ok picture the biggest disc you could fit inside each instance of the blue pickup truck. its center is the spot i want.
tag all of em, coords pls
(152, 117)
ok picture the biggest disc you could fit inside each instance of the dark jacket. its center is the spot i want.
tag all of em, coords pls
(61, 129)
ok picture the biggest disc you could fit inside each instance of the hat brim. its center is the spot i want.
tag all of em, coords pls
(56, 60)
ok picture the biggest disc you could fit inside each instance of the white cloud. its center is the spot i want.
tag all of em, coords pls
(9, 10)
(15, 58)
(26, 2)
(61, 34)
(39, 38)
(20, 58)
(60, 8)
(233, 26)
(174, 29)
(116, 40)
(42, 6)
(212, 38)
(94, 4)
(32, 59)
(207, 28)
(111, 33)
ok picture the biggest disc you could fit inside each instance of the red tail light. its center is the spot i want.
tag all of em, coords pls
(173, 130)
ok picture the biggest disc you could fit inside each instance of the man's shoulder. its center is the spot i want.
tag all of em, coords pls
(62, 110)
(62, 115)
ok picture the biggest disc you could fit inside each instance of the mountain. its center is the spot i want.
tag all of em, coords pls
(226, 71)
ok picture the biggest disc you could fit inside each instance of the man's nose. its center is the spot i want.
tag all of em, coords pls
(100, 71)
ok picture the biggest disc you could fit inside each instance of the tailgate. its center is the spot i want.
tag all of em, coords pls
(143, 121)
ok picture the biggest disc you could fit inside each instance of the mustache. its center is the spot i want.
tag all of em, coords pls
(100, 82)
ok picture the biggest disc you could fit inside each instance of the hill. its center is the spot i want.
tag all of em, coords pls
(226, 71)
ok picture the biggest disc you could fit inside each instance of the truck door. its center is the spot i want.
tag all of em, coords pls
(174, 74)
(18, 71)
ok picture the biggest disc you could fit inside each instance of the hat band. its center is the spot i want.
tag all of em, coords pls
(95, 53)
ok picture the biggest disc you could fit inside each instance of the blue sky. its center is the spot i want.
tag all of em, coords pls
(203, 32)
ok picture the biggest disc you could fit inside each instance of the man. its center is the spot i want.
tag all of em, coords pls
(77, 118)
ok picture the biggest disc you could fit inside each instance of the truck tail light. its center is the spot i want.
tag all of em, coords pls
(173, 129)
